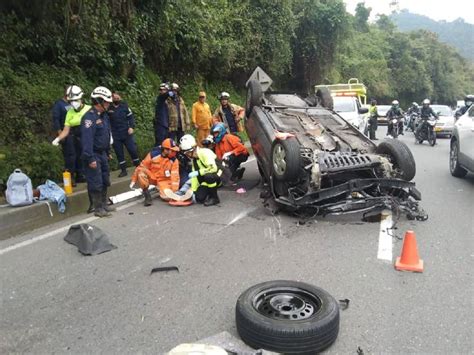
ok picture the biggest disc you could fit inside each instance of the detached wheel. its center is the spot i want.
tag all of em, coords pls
(287, 317)
(286, 159)
(400, 156)
(254, 96)
(325, 98)
(454, 167)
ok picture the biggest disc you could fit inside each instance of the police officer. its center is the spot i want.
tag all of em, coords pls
(96, 138)
(122, 124)
(71, 132)
(161, 122)
(373, 116)
(468, 101)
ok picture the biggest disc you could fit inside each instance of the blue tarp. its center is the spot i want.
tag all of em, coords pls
(52, 192)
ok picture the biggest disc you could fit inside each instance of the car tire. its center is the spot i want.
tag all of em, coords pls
(400, 156)
(286, 159)
(287, 317)
(454, 167)
(254, 96)
(325, 98)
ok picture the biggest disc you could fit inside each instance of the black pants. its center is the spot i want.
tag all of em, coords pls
(98, 179)
(129, 143)
(234, 162)
(176, 135)
(203, 192)
(372, 127)
(161, 133)
(72, 150)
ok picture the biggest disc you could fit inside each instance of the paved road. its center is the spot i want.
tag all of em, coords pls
(55, 300)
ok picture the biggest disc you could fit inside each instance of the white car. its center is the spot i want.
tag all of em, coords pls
(349, 108)
(445, 123)
(461, 155)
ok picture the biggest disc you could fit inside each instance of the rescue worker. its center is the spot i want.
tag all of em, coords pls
(59, 111)
(122, 124)
(425, 113)
(160, 168)
(230, 150)
(231, 115)
(395, 112)
(205, 176)
(161, 122)
(373, 117)
(72, 131)
(468, 101)
(202, 118)
(96, 139)
(178, 118)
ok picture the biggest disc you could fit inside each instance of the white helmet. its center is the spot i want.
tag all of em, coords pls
(101, 92)
(74, 93)
(224, 96)
(395, 102)
(426, 102)
(187, 142)
(174, 86)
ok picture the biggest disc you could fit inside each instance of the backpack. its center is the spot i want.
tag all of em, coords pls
(19, 189)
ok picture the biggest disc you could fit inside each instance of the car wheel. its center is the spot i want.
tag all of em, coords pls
(400, 156)
(254, 96)
(454, 167)
(325, 98)
(287, 317)
(286, 159)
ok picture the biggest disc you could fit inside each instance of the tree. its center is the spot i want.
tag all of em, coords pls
(362, 15)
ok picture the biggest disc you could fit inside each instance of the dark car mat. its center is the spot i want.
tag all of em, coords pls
(89, 240)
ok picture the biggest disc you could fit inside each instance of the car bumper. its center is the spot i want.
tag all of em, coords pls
(442, 130)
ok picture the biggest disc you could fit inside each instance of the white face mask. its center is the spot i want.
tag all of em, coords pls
(76, 105)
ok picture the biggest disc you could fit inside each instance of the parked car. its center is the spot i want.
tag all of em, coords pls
(316, 162)
(461, 155)
(351, 110)
(445, 123)
(382, 111)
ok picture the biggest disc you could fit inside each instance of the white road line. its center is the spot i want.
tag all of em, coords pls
(385, 239)
(57, 231)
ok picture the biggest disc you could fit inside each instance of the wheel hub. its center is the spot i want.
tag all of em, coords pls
(279, 160)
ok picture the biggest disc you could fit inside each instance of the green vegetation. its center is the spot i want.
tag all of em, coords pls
(131, 46)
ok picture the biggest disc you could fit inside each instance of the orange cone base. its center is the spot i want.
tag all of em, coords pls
(409, 267)
(180, 203)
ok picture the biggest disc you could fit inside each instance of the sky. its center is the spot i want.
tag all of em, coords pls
(436, 9)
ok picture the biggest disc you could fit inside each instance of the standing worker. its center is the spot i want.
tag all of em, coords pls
(96, 138)
(231, 115)
(122, 124)
(160, 168)
(205, 176)
(161, 122)
(72, 132)
(202, 118)
(373, 116)
(59, 111)
(177, 114)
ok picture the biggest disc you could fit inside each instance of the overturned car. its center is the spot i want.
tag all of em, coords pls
(314, 162)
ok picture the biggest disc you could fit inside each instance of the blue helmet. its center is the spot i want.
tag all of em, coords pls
(218, 128)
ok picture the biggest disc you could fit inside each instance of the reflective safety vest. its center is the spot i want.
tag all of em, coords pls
(73, 117)
(205, 164)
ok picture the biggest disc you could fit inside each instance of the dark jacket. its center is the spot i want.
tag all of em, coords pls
(95, 134)
(394, 113)
(426, 112)
(121, 119)
(59, 111)
(161, 111)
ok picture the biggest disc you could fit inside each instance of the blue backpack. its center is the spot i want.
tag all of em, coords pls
(19, 189)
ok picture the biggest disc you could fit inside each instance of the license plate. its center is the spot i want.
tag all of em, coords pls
(438, 129)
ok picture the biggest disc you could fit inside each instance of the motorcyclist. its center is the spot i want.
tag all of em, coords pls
(395, 112)
(414, 108)
(425, 113)
(412, 112)
(468, 101)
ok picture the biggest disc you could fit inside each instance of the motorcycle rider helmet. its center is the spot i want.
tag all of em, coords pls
(414, 104)
(187, 143)
(395, 103)
(468, 100)
(218, 131)
(426, 102)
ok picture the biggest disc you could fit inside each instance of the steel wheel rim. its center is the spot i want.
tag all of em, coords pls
(287, 303)
(279, 159)
(454, 157)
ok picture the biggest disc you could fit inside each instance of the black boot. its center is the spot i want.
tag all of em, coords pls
(123, 167)
(99, 211)
(105, 202)
(91, 203)
(212, 199)
(148, 201)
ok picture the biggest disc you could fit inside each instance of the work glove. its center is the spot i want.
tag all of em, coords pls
(111, 140)
(226, 156)
(56, 141)
(193, 174)
(132, 186)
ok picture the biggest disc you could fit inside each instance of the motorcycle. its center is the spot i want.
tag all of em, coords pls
(411, 121)
(426, 132)
(394, 127)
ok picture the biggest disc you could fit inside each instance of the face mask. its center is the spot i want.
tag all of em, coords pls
(171, 93)
(76, 105)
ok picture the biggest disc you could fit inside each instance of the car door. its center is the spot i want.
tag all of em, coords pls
(465, 127)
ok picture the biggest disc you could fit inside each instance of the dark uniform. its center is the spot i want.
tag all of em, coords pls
(425, 114)
(95, 129)
(394, 113)
(121, 119)
(373, 121)
(161, 122)
(59, 111)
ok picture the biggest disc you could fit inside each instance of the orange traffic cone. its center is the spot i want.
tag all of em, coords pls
(409, 261)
